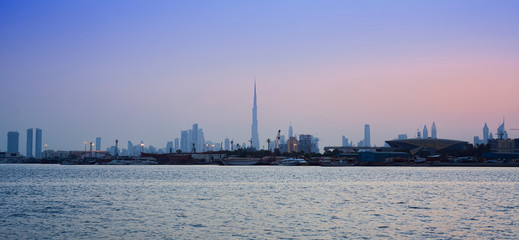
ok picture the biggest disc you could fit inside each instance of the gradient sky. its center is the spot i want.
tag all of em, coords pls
(145, 70)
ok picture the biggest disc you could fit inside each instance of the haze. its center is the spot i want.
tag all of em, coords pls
(145, 70)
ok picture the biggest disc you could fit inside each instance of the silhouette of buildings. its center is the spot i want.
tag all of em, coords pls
(254, 128)
(292, 145)
(29, 142)
(98, 143)
(367, 138)
(38, 144)
(433, 131)
(13, 139)
(485, 134)
(425, 133)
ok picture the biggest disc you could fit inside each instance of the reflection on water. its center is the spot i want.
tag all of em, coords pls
(213, 202)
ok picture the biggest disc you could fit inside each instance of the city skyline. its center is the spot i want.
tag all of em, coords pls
(142, 71)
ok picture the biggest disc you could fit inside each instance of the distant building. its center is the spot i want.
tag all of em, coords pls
(169, 147)
(184, 141)
(194, 137)
(345, 142)
(501, 132)
(177, 144)
(227, 144)
(478, 141)
(255, 143)
(485, 133)
(427, 144)
(290, 131)
(38, 145)
(504, 145)
(29, 143)
(367, 136)
(130, 148)
(433, 131)
(13, 139)
(292, 145)
(98, 143)
(425, 133)
(305, 143)
(402, 136)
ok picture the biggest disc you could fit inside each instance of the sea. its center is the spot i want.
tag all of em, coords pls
(257, 202)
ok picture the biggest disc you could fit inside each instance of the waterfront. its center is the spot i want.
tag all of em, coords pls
(214, 202)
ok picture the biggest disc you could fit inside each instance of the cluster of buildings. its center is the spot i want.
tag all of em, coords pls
(33, 146)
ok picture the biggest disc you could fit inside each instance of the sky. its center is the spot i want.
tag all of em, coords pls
(145, 70)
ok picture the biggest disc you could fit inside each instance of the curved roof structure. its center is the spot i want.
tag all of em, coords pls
(439, 145)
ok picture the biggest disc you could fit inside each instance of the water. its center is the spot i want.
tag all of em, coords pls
(215, 202)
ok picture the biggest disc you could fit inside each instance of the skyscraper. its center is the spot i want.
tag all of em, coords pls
(485, 133)
(98, 143)
(184, 141)
(290, 131)
(37, 148)
(130, 148)
(194, 138)
(433, 131)
(255, 138)
(367, 137)
(29, 142)
(13, 139)
(227, 144)
(501, 132)
(177, 144)
(344, 141)
(425, 133)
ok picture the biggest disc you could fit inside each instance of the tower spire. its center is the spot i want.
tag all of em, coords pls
(254, 128)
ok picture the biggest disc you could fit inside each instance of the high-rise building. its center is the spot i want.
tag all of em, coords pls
(98, 143)
(130, 148)
(29, 142)
(402, 136)
(38, 145)
(501, 132)
(433, 131)
(177, 144)
(485, 133)
(184, 141)
(13, 139)
(202, 147)
(425, 133)
(254, 128)
(290, 131)
(305, 143)
(169, 147)
(367, 136)
(292, 144)
(344, 141)
(227, 144)
(194, 138)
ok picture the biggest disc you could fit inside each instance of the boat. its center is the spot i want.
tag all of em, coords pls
(239, 161)
(293, 162)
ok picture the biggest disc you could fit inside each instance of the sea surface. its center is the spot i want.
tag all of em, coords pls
(257, 202)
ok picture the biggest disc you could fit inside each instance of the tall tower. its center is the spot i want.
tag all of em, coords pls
(98, 143)
(29, 142)
(425, 133)
(290, 131)
(367, 137)
(12, 141)
(485, 134)
(433, 131)
(194, 138)
(37, 146)
(255, 138)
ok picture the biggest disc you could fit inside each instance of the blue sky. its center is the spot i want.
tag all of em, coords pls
(144, 70)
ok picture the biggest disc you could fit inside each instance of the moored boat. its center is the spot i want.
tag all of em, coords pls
(240, 161)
